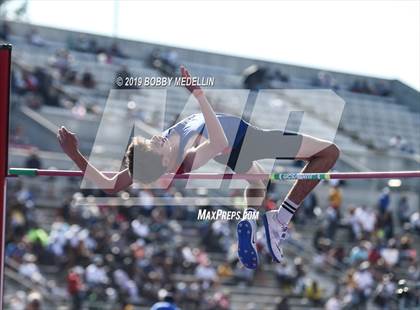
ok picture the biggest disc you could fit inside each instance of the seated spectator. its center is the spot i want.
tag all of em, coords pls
(63, 62)
(363, 278)
(88, 80)
(314, 293)
(206, 273)
(285, 274)
(382, 88)
(4, 31)
(282, 303)
(75, 287)
(384, 293)
(334, 302)
(384, 200)
(243, 275)
(82, 43)
(390, 253)
(254, 77)
(385, 224)
(403, 210)
(362, 86)
(115, 51)
(30, 269)
(33, 37)
(167, 302)
(34, 301)
(33, 160)
(359, 253)
(400, 144)
(165, 61)
(325, 80)
(18, 136)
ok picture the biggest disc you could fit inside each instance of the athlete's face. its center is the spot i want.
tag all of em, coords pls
(161, 146)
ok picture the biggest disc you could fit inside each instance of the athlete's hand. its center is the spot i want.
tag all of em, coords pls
(192, 87)
(68, 142)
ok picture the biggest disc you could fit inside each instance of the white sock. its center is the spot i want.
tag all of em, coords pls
(286, 211)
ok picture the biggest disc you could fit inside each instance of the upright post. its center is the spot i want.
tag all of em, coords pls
(5, 61)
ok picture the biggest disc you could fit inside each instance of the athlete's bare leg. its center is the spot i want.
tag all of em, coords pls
(321, 156)
(256, 190)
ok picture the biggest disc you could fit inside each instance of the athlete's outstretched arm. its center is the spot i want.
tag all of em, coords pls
(69, 144)
(217, 137)
(217, 141)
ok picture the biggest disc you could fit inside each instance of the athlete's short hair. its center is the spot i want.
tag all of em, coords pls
(148, 164)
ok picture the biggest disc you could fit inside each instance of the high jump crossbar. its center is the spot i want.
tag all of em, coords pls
(239, 176)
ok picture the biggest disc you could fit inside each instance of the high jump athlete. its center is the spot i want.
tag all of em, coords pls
(194, 141)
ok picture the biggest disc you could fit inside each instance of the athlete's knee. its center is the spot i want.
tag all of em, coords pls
(333, 152)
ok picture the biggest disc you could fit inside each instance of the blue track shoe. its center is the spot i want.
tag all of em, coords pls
(247, 246)
(276, 234)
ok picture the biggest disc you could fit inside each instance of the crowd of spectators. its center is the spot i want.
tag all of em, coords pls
(375, 255)
(127, 255)
(122, 256)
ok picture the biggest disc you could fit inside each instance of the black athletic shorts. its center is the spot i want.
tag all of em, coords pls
(258, 144)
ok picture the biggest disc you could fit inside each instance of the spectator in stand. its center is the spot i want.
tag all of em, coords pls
(400, 144)
(384, 293)
(4, 31)
(403, 210)
(18, 136)
(82, 43)
(63, 61)
(382, 88)
(334, 302)
(33, 160)
(167, 302)
(30, 269)
(283, 303)
(390, 253)
(254, 77)
(362, 86)
(88, 80)
(314, 293)
(165, 61)
(34, 301)
(331, 222)
(335, 198)
(309, 205)
(34, 38)
(75, 287)
(385, 224)
(206, 273)
(384, 200)
(325, 80)
(359, 253)
(115, 51)
(285, 274)
(364, 281)
(368, 220)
